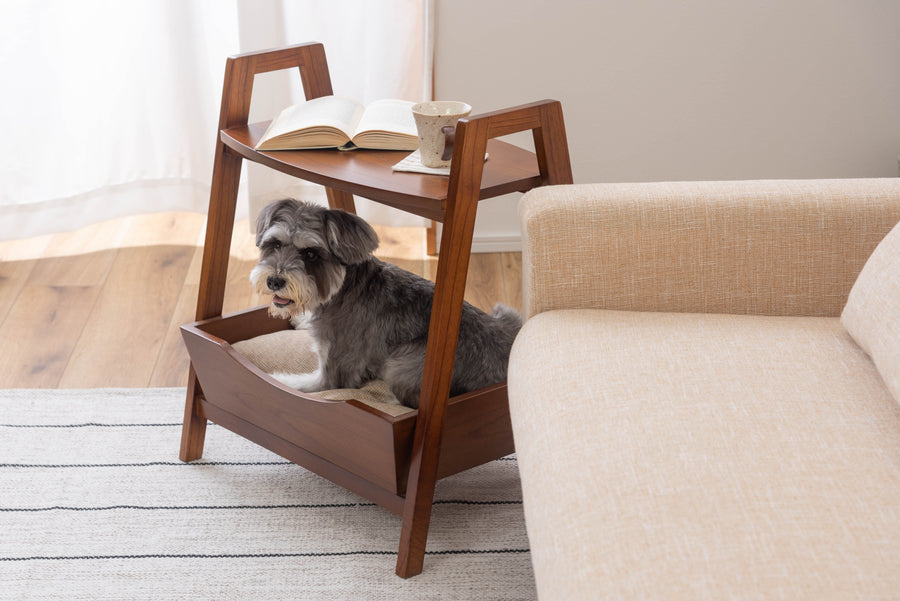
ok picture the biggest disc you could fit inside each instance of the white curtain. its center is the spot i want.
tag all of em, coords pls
(110, 108)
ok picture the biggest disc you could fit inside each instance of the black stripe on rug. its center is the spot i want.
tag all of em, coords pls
(147, 464)
(157, 464)
(255, 555)
(237, 507)
(93, 425)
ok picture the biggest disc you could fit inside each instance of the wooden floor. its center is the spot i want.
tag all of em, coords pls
(101, 307)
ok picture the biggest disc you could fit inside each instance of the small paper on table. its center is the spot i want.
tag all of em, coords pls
(413, 164)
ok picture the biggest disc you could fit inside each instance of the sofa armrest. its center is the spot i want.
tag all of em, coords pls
(781, 247)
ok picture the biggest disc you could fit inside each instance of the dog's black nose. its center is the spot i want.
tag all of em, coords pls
(275, 283)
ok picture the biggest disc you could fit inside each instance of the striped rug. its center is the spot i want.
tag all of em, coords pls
(94, 504)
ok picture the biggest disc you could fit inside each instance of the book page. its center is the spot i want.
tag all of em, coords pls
(387, 124)
(388, 115)
(335, 112)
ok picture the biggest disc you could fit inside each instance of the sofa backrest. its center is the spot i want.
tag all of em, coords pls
(772, 247)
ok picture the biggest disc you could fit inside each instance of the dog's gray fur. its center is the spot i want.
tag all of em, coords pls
(369, 318)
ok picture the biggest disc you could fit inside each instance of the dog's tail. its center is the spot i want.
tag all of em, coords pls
(508, 317)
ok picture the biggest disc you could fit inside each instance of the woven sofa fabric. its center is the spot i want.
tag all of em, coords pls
(764, 247)
(872, 313)
(682, 456)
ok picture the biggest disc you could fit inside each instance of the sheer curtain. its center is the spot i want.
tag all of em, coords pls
(110, 108)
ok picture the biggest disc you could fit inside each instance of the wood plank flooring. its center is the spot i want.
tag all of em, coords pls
(101, 307)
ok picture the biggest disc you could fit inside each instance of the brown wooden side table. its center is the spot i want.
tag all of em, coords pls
(393, 461)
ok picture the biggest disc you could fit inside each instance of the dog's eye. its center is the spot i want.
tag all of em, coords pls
(272, 244)
(310, 254)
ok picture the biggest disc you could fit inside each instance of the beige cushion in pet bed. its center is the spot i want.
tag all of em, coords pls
(291, 351)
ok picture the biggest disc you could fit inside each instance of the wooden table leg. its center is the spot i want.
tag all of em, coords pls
(450, 288)
(338, 199)
(214, 271)
(193, 431)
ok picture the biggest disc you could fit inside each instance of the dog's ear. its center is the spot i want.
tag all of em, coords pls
(349, 238)
(272, 213)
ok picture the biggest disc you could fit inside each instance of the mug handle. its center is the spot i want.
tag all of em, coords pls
(449, 132)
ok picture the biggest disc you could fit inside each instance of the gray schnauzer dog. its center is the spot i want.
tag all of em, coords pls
(369, 318)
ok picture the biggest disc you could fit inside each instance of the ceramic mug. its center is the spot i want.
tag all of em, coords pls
(436, 124)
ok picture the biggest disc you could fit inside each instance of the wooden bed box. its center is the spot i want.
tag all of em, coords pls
(350, 442)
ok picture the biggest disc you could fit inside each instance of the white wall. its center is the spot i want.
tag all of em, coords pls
(657, 90)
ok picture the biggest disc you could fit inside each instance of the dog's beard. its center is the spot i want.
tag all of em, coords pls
(296, 297)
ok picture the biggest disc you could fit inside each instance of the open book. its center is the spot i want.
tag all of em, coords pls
(335, 121)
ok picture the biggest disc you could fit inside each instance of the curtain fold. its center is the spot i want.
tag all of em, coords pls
(111, 107)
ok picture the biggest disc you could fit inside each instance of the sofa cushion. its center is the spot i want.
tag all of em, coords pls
(872, 312)
(688, 456)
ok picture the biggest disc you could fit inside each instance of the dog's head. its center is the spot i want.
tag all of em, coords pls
(304, 251)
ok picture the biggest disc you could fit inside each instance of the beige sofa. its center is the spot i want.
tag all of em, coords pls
(696, 413)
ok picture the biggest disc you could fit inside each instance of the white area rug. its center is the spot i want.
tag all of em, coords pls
(94, 504)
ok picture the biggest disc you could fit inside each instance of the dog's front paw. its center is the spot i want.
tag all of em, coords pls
(302, 382)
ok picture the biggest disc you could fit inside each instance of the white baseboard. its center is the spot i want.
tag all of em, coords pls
(496, 244)
(489, 243)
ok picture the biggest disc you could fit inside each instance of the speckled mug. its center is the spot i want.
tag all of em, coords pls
(436, 124)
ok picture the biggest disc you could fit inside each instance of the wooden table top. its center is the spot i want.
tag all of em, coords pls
(367, 173)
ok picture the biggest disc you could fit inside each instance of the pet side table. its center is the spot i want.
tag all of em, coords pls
(393, 461)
